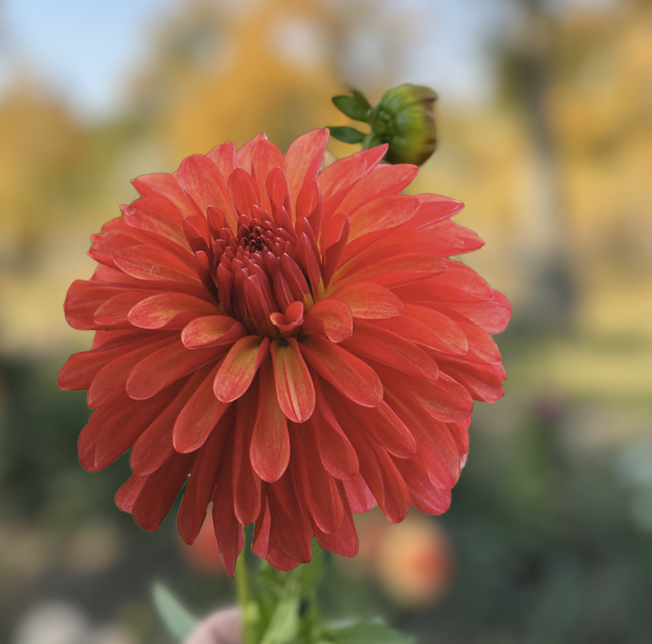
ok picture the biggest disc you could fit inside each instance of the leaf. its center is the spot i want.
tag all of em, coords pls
(284, 625)
(176, 618)
(368, 633)
(347, 134)
(355, 106)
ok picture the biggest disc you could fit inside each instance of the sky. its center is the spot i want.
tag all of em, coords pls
(86, 50)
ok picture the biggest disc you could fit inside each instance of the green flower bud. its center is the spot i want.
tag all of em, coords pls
(404, 118)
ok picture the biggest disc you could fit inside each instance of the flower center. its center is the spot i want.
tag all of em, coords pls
(258, 272)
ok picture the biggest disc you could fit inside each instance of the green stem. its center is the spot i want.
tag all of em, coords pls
(247, 604)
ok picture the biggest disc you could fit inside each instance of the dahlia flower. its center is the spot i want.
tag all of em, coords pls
(289, 343)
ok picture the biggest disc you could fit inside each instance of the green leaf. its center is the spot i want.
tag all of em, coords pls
(347, 134)
(284, 625)
(368, 633)
(174, 615)
(355, 106)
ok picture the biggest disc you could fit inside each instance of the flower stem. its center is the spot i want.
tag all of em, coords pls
(247, 604)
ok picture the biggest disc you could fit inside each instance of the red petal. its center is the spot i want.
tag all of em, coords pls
(110, 382)
(334, 448)
(369, 300)
(383, 180)
(224, 157)
(154, 446)
(339, 178)
(246, 483)
(199, 416)
(381, 214)
(294, 388)
(126, 496)
(492, 316)
(211, 331)
(154, 265)
(344, 541)
(243, 155)
(435, 208)
(156, 311)
(374, 343)
(164, 186)
(202, 180)
(303, 159)
(437, 448)
(290, 528)
(203, 476)
(424, 496)
(165, 366)
(228, 530)
(318, 489)
(239, 367)
(160, 490)
(114, 311)
(264, 157)
(270, 442)
(157, 216)
(450, 337)
(243, 191)
(330, 317)
(348, 374)
(392, 271)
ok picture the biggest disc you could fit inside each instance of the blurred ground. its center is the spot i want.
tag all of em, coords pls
(551, 524)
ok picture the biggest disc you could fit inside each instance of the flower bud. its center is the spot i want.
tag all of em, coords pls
(404, 119)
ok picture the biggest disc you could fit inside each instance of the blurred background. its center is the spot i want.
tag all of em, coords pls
(545, 121)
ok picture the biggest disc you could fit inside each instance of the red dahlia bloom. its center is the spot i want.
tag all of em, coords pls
(294, 344)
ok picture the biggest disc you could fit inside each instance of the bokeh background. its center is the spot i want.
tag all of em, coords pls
(545, 120)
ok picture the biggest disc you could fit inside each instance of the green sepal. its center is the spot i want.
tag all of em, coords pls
(347, 134)
(177, 619)
(355, 106)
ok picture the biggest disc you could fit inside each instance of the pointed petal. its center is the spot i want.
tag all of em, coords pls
(202, 180)
(303, 159)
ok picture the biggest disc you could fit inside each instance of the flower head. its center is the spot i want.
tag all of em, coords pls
(293, 344)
